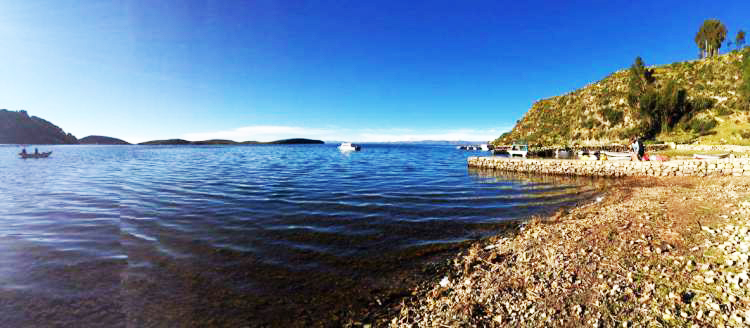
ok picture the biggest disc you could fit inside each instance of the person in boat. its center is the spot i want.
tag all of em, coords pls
(36, 151)
(23, 151)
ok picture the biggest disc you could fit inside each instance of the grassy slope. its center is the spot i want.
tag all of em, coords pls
(580, 116)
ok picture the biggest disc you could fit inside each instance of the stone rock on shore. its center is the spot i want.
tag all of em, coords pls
(654, 252)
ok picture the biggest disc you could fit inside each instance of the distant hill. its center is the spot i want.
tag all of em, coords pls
(166, 142)
(600, 113)
(296, 141)
(20, 128)
(214, 142)
(101, 140)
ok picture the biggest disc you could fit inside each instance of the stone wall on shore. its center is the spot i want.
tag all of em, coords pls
(726, 148)
(717, 167)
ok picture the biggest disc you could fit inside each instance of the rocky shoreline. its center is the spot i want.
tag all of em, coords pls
(611, 168)
(668, 251)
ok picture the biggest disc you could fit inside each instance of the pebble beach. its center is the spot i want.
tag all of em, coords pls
(650, 252)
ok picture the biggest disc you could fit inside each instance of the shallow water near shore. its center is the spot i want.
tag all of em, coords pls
(241, 235)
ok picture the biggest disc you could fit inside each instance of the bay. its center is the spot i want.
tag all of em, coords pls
(266, 235)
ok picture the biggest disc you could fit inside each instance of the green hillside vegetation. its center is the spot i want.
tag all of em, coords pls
(703, 101)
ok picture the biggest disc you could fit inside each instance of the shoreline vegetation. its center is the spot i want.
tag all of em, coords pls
(667, 251)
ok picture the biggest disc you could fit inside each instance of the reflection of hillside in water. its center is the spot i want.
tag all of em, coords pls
(542, 193)
(484, 175)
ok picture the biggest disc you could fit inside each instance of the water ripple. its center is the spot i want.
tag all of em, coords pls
(154, 225)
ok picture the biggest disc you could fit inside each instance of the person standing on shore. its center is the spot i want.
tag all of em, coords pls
(634, 148)
(641, 149)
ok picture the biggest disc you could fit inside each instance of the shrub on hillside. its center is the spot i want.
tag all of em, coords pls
(724, 111)
(702, 103)
(613, 116)
(702, 125)
(665, 107)
(679, 138)
(589, 124)
(745, 85)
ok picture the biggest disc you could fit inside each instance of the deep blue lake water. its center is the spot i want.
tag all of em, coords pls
(240, 236)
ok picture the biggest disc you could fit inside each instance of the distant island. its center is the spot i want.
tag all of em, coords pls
(296, 141)
(17, 127)
(101, 140)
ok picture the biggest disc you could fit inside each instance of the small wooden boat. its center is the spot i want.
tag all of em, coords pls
(35, 155)
(617, 156)
(611, 154)
(710, 156)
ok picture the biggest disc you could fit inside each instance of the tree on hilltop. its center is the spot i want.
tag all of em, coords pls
(710, 36)
(739, 40)
(640, 80)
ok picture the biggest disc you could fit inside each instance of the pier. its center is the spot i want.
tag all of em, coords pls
(689, 167)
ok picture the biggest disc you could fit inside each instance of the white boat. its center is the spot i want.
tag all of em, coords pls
(611, 154)
(562, 154)
(615, 156)
(519, 150)
(486, 147)
(709, 156)
(348, 146)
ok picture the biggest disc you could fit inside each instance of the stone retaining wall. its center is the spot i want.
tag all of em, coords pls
(727, 166)
(726, 148)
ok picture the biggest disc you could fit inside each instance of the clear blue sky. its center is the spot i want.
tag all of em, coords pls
(343, 70)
